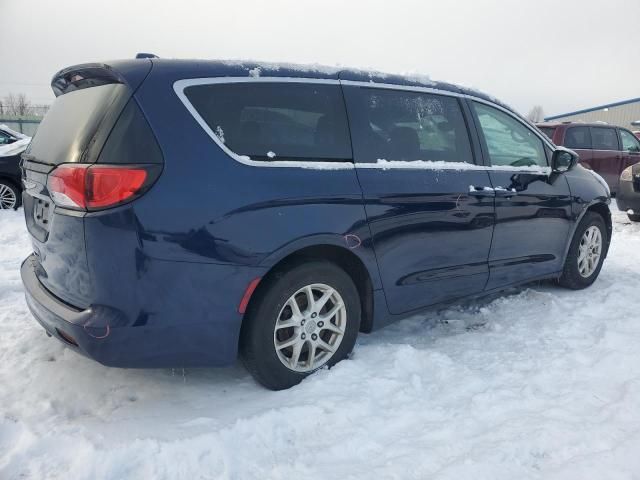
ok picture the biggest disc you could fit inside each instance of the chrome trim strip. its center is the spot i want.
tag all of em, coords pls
(180, 85)
(409, 88)
(538, 134)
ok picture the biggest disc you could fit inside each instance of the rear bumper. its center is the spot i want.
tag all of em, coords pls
(628, 198)
(106, 335)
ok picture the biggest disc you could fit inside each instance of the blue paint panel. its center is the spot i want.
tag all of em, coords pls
(158, 281)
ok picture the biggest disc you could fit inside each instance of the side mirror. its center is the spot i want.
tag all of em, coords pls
(563, 160)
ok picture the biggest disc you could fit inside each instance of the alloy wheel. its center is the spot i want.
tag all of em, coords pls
(7, 197)
(589, 251)
(310, 327)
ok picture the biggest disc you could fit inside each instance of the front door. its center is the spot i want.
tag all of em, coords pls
(430, 209)
(630, 149)
(533, 206)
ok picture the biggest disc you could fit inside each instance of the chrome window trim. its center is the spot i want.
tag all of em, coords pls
(180, 85)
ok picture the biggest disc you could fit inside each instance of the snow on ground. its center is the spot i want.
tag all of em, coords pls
(540, 383)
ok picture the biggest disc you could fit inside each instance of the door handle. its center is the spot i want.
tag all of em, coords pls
(481, 191)
(505, 192)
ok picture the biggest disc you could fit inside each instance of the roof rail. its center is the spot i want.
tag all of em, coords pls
(146, 55)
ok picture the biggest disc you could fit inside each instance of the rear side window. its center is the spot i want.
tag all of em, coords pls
(131, 140)
(548, 131)
(508, 141)
(276, 121)
(604, 138)
(578, 137)
(406, 126)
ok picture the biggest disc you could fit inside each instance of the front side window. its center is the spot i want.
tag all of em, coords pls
(604, 138)
(509, 142)
(578, 137)
(400, 125)
(276, 121)
(629, 142)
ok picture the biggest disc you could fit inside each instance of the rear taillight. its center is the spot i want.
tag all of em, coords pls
(95, 187)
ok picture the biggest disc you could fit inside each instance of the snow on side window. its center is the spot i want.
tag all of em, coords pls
(404, 126)
(276, 121)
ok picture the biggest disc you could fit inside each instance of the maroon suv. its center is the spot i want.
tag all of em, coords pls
(603, 148)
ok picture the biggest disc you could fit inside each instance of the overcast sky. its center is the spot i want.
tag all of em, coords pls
(561, 54)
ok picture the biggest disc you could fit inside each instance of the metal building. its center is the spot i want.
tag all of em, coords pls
(621, 114)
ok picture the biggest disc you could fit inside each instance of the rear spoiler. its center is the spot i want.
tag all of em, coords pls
(83, 76)
(77, 77)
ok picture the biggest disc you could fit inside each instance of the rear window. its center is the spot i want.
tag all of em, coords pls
(548, 131)
(276, 121)
(77, 124)
(578, 137)
(604, 138)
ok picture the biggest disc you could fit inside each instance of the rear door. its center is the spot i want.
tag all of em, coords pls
(533, 206)
(630, 149)
(429, 207)
(607, 157)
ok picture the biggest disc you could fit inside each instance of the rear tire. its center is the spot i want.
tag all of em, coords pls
(281, 314)
(633, 218)
(10, 198)
(586, 253)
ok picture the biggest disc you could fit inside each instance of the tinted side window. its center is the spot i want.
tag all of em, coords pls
(629, 142)
(548, 131)
(276, 121)
(508, 141)
(406, 126)
(578, 137)
(131, 140)
(604, 138)
(4, 139)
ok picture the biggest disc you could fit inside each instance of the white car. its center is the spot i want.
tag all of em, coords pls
(12, 144)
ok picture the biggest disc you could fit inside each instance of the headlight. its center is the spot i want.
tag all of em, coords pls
(626, 175)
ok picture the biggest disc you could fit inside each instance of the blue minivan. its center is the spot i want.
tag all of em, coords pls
(185, 213)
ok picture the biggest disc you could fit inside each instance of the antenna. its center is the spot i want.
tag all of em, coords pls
(146, 55)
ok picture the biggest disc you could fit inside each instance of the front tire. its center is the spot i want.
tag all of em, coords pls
(586, 253)
(9, 196)
(302, 319)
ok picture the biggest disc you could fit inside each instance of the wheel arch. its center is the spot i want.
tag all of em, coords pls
(601, 208)
(343, 257)
(12, 180)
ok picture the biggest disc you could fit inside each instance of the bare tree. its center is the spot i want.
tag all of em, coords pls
(17, 105)
(536, 114)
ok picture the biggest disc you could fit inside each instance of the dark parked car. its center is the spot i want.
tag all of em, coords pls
(629, 194)
(605, 149)
(12, 144)
(183, 213)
